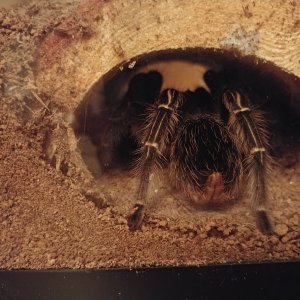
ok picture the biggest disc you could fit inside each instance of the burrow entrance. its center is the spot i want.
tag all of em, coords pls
(109, 149)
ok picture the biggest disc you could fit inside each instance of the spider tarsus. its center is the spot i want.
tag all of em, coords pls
(135, 219)
(264, 222)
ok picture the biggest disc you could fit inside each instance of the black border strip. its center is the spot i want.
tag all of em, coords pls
(238, 281)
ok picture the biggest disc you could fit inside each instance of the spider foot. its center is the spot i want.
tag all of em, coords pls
(136, 217)
(264, 222)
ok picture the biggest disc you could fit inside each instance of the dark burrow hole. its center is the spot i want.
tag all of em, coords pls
(101, 122)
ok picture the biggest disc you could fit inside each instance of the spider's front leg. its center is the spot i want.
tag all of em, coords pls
(153, 137)
(249, 125)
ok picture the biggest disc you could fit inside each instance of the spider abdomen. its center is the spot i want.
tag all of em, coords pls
(206, 163)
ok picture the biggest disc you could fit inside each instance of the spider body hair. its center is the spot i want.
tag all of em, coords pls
(205, 161)
(208, 154)
(210, 144)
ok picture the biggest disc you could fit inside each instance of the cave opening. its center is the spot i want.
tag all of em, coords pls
(135, 84)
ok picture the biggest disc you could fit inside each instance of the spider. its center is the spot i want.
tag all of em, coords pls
(209, 143)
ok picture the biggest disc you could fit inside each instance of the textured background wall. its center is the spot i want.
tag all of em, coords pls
(102, 34)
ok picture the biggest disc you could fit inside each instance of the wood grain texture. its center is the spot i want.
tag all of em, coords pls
(102, 34)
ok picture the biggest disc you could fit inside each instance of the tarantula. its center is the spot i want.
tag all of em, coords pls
(210, 143)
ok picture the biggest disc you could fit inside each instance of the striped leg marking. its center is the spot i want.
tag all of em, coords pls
(249, 125)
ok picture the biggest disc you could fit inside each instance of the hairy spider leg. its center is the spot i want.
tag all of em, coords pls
(161, 121)
(249, 125)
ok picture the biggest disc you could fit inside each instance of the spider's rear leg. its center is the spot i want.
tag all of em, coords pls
(249, 126)
(160, 124)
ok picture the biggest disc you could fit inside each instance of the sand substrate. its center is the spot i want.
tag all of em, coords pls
(49, 220)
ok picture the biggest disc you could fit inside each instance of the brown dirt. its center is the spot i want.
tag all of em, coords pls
(47, 219)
